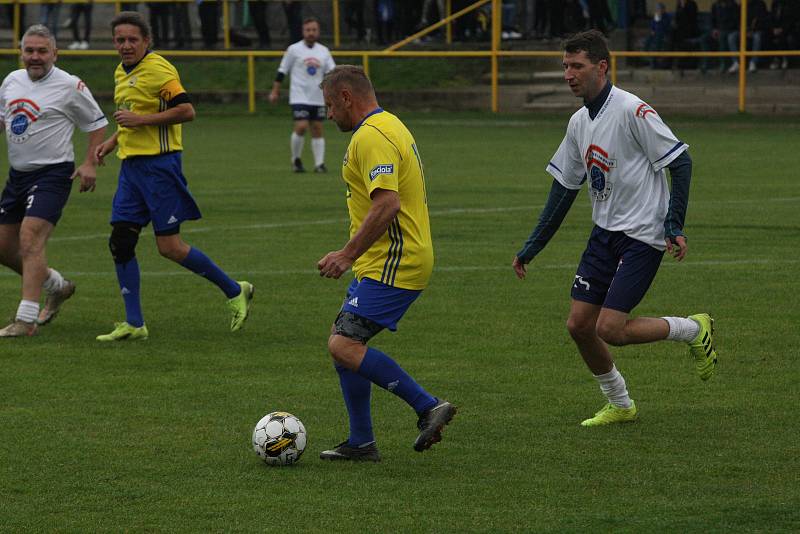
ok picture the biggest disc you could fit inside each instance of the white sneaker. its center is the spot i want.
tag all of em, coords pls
(752, 68)
(734, 68)
(74, 45)
(84, 45)
(53, 302)
(18, 329)
(785, 63)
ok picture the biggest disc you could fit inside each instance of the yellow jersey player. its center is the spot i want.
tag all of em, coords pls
(391, 254)
(151, 105)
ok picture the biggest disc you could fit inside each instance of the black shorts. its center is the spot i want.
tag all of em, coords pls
(42, 193)
(304, 112)
(615, 271)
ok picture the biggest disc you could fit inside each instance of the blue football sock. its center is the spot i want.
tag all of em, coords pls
(128, 277)
(356, 392)
(199, 263)
(384, 371)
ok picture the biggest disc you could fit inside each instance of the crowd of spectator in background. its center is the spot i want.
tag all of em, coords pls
(687, 29)
(380, 22)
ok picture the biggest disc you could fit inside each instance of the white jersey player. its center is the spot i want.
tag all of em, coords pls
(619, 146)
(306, 62)
(41, 106)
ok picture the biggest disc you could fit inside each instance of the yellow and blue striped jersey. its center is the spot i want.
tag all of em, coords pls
(383, 155)
(147, 88)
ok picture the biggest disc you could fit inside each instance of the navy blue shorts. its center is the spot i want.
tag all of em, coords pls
(153, 188)
(380, 303)
(304, 112)
(42, 193)
(615, 270)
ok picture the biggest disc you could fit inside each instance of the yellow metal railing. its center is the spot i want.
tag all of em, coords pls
(494, 54)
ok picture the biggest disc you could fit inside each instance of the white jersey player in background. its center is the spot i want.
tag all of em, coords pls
(620, 146)
(306, 62)
(41, 105)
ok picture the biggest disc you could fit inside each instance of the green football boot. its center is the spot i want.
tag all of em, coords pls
(611, 414)
(125, 332)
(702, 347)
(240, 305)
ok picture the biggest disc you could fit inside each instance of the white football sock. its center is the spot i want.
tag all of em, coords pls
(612, 384)
(318, 149)
(297, 145)
(27, 311)
(54, 281)
(682, 329)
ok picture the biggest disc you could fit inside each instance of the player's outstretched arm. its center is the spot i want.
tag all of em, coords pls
(87, 172)
(559, 201)
(384, 208)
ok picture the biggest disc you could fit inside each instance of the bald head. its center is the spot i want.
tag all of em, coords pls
(349, 96)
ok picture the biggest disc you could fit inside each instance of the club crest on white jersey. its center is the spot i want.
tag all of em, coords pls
(24, 112)
(598, 165)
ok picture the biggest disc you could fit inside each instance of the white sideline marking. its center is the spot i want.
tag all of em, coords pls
(451, 269)
(320, 222)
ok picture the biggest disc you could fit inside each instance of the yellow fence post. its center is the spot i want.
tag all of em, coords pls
(117, 7)
(226, 25)
(251, 83)
(336, 29)
(365, 64)
(496, 28)
(742, 57)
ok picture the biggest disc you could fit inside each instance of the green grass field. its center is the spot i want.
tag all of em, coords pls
(155, 436)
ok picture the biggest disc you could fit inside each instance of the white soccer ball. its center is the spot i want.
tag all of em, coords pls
(279, 438)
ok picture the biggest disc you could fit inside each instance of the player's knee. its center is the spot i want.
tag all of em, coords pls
(31, 243)
(611, 333)
(122, 242)
(344, 350)
(579, 328)
(176, 252)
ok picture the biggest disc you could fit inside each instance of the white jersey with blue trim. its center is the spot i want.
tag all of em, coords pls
(306, 66)
(621, 154)
(40, 117)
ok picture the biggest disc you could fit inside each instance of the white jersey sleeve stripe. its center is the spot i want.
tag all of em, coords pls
(678, 145)
(551, 164)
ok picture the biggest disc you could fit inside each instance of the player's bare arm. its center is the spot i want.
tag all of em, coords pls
(87, 172)
(105, 148)
(275, 93)
(181, 113)
(385, 206)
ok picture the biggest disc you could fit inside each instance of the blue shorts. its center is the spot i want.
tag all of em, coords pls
(615, 271)
(305, 112)
(42, 193)
(153, 188)
(382, 304)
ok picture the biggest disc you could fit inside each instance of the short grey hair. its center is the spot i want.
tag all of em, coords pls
(351, 76)
(39, 30)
